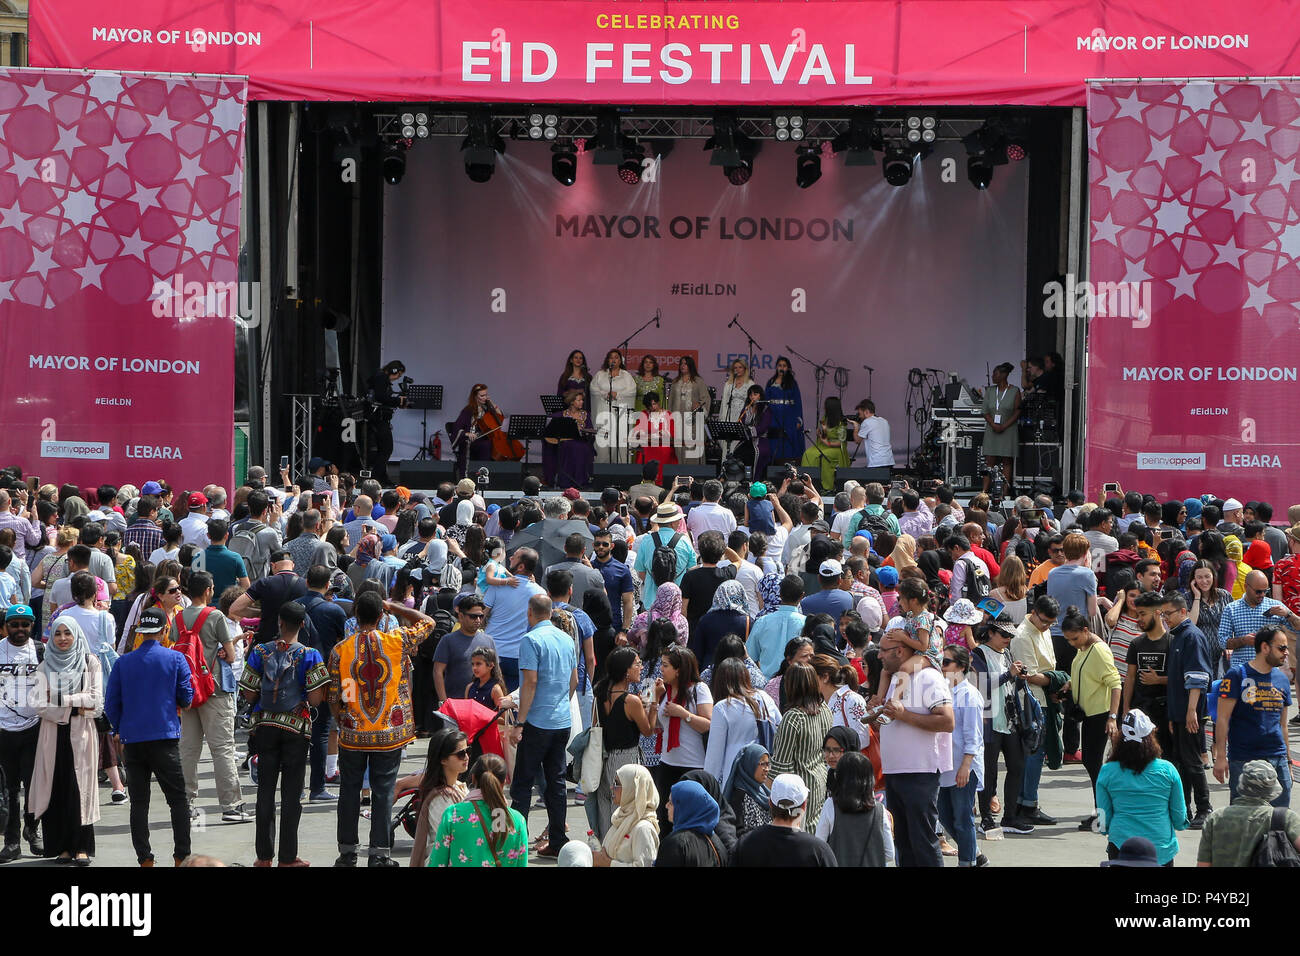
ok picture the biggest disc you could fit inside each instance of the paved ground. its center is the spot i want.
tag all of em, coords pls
(1064, 794)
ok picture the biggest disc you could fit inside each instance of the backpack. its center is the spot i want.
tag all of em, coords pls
(191, 648)
(307, 633)
(281, 689)
(1028, 715)
(877, 524)
(976, 586)
(663, 561)
(245, 544)
(1275, 847)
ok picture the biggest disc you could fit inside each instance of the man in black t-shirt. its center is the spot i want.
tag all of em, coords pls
(279, 587)
(701, 582)
(1146, 685)
(783, 842)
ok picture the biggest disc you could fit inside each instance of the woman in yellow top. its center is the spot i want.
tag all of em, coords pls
(831, 449)
(1095, 685)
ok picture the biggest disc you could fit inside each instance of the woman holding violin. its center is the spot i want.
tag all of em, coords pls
(568, 462)
(479, 433)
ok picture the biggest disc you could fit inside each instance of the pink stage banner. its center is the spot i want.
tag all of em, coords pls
(119, 237)
(1194, 346)
(985, 52)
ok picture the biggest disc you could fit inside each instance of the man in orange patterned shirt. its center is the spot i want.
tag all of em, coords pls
(370, 695)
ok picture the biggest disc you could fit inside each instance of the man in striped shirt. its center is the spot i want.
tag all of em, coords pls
(1246, 615)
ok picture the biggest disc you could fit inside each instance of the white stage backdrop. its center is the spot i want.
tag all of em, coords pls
(497, 282)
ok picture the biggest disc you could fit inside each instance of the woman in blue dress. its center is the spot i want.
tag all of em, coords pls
(787, 442)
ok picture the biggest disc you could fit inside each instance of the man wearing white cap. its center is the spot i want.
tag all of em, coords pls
(784, 842)
(669, 532)
(831, 599)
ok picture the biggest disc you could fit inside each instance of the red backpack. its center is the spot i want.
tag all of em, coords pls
(191, 647)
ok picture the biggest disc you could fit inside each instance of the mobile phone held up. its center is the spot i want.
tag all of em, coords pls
(284, 462)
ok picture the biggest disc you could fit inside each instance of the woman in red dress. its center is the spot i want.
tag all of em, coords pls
(654, 432)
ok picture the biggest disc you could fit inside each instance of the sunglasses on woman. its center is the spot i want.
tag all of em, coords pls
(463, 753)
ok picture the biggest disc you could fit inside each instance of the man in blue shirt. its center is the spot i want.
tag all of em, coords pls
(619, 585)
(507, 613)
(548, 665)
(226, 567)
(145, 688)
(830, 599)
(1191, 661)
(559, 586)
(1251, 723)
(770, 633)
(1246, 615)
(668, 521)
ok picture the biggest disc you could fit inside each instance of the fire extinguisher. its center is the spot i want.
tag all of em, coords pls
(437, 446)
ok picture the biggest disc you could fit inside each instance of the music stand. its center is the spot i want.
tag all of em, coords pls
(565, 429)
(552, 404)
(427, 398)
(527, 429)
(722, 432)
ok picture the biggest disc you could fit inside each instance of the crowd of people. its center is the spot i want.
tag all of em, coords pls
(732, 675)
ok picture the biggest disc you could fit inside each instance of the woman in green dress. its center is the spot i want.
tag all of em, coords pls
(831, 449)
(1001, 433)
(483, 830)
(649, 380)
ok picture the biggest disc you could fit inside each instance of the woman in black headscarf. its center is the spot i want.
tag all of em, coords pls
(820, 629)
(596, 603)
(725, 830)
(930, 565)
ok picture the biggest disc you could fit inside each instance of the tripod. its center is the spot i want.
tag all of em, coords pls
(425, 398)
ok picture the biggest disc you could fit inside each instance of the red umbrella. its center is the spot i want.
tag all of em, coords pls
(477, 722)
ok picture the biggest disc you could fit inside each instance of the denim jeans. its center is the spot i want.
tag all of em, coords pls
(585, 700)
(1280, 765)
(544, 751)
(383, 766)
(281, 756)
(161, 759)
(320, 739)
(955, 805)
(1033, 773)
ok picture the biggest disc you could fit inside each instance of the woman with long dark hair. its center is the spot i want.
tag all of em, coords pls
(798, 747)
(1095, 687)
(787, 414)
(831, 450)
(689, 400)
(739, 711)
(756, 416)
(575, 376)
(1211, 547)
(483, 830)
(595, 602)
(625, 719)
(683, 707)
(858, 835)
(613, 398)
(440, 787)
(649, 381)
(1138, 793)
(659, 636)
(571, 459)
(733, 645)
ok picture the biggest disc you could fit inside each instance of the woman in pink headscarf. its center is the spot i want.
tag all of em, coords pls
(667, 604)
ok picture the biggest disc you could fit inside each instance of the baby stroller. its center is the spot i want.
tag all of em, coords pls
(471, 718)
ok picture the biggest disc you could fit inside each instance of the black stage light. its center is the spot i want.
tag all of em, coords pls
(480, 147)
(979, 170)
(564, 164)
(898, 164)
(985, 148)
(807, 166)
(858, 141)
(393, 163)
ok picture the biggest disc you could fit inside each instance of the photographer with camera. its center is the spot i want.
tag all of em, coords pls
(386, 390)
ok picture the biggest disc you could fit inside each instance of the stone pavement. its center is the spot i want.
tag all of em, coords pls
(1064, 794)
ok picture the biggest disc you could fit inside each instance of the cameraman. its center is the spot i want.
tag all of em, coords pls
(386, 390)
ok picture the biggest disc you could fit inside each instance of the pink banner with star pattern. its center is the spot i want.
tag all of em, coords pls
(119, 240)
(1194, 343)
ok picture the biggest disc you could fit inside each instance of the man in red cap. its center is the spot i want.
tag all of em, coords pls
(194, 526)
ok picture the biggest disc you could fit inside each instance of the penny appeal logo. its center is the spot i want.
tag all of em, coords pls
(91, 450)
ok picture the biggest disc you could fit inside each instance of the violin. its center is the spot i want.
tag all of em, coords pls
(492, 420)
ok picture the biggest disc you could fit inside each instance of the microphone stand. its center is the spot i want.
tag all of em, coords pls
(750, 346)
(870, 373)
(622, 347)
(819, 373)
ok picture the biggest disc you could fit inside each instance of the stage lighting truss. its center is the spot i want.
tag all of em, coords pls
(543, 126)
(788, 127)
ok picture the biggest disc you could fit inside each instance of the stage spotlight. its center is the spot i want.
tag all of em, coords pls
(606, 146)
(480, 147)
(564, 164)
(807, 166)
(1016, 150)
(898, 165)
(788, 126)
(979, 170)
(858, 141)
(629, 168)
(732, 150)
(393, 163)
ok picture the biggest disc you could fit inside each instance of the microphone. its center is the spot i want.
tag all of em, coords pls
(868, 368)
(935, 370)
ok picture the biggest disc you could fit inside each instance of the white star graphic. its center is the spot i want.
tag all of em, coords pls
(1106, 230)
(1257, 297)
(115, 154)
(144, 197)
(90, 274)
(12, 218)
(1210, 158)
(1255, 129)
(1184, 283)
(201, 236)
(134, 245)
(1135, 271)
(1229, 252)
(1284, 174)
(79, 207)
(191, 169)
(228, 115)
(1288, 241)
(5, 286)
(162, 124)
(38, 95)
(1172, 218)
(25, 169)
(1241, 204)
(68, 140)
(1161, 152)
(42, 261)
(1199, 97)
(105, 87)
(1130, 106)
(236, 179)
(1114, 180)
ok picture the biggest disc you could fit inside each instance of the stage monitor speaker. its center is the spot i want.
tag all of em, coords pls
(615, 475)
(502, 475)
(698, 472)
(863, 476)
(426, 474)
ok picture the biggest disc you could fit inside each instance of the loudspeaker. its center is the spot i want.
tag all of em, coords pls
(615, 475)
(864, 476)
(698, 472)
(502, 475)
(426, 474)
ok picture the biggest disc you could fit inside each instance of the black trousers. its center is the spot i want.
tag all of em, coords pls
(1064, 659)
(1186, 756)
(1094, 747)
(913, 799)
(1011, 748)
(64, 831)
(382, 435)
(281, 756)
(161, 759)
(17, 759)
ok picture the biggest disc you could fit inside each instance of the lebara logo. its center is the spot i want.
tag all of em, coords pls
(1171, 461)
(93, 450)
